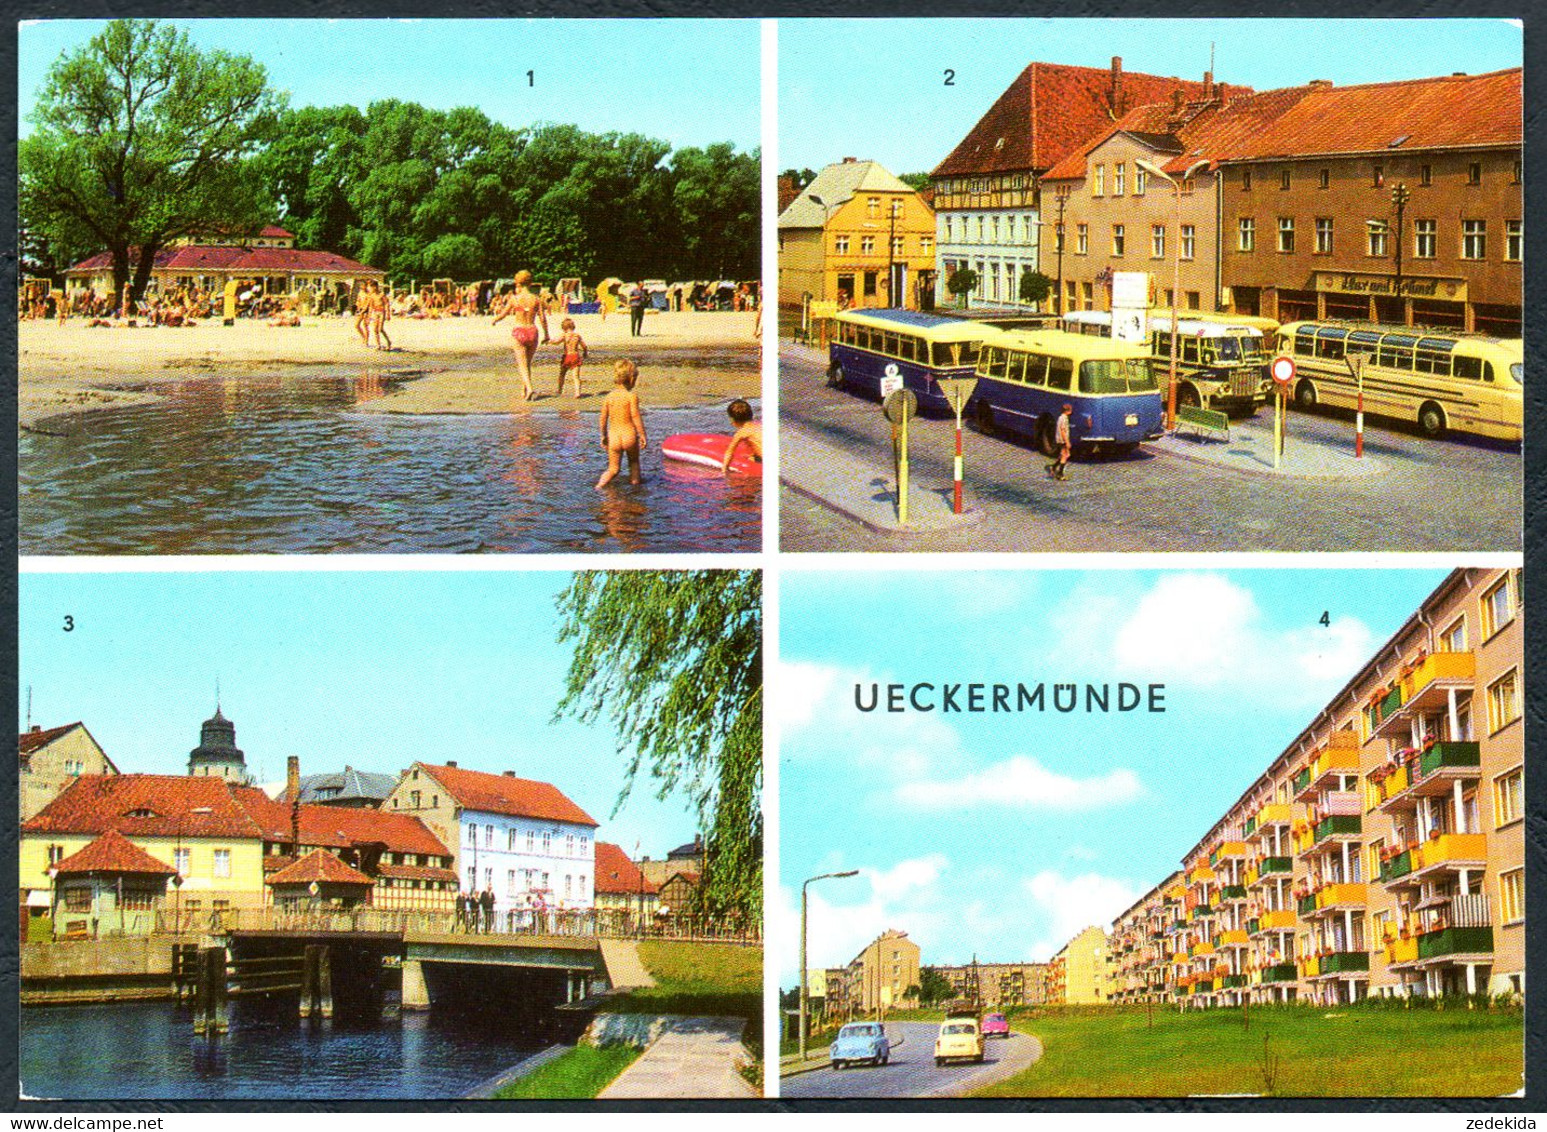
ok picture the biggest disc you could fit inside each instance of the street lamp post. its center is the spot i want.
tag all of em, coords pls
(1062, 195)
(804, 885)
(891, 256)
(1176, 271)
(1399, 197)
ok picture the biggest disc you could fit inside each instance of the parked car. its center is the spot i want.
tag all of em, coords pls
(961, 1039)
(995, 1026)
(860, 1041)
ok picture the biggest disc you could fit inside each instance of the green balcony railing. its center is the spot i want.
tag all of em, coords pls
(1283, 973)
(1251, 926)
(1338, 823)
(1392, 701)
(1202, 986)
(1232, 981)
(1250, 827)
(1302, 780)
(1276, 865)
(1398, 866)
(1305, 905)
(1449, 754)
(1345, 961)
(1455, 941)
(1233, 892)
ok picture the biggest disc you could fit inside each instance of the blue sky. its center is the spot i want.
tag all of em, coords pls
(876, 88)
(689, 82)
(373, 669)
(1004, 835)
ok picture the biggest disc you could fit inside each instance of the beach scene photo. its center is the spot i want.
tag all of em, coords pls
(369, 286)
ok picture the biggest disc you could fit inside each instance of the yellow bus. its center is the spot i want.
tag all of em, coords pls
(1441, 381)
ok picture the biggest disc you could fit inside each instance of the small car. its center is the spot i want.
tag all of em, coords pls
(995, 1026)
(860, 1041)
(961, 1039)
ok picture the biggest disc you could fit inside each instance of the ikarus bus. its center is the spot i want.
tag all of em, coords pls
(918, 347)
(1025, 377)
(1440, 381)
(1219, 364)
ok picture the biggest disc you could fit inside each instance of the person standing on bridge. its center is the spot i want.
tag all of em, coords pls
(487, 903)
(461, 920)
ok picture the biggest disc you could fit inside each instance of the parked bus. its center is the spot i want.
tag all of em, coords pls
(1220, 364)
(920, 348)
(1441, 381)
(1025, 377)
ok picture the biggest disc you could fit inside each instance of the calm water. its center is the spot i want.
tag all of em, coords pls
(291, 466)
(147, 1051)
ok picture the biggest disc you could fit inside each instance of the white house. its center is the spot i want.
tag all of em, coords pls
(525, 840)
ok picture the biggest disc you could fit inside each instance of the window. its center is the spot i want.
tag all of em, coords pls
(1283, 179)
(1509, 797)
(1324, 235)
(1117, 239)
(1514, 176)
(1158, 241)
(512, 846)
(1425, 239)
(1425, 175)
(841, 243)
(181, 860)
(1118, 171)
(1081, 239)
(531, 841)
(1474, 239)
(488, 837)
(1189, 240)
(1453, 639)
(569, 844)
(897, 247)
(1512, 896)
(1514, 240)
(1378, 176)
(1474, 173)
(1246, 186)
(1286, 233)
(472, 878)
(1187, 187)
(867, 245)
(222, 867)
(873, 207)
(1376, 231)
(1498, 607)
(413, 799)
(545, 883)
(1246, 234)
(1098, 183)
(980, 229)
(926, 245)
(1503, 701)
(510, 882)
(995, 229)
(1324, 179)
(948, 229)
(1140, 182)
(569, 881)
(488, 879)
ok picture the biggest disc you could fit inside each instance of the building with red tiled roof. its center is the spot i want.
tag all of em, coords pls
(111, 887)
(523, 839)
(319, 879)
(49, 759)
(619, 882)
(1312, 224)
(986, 200)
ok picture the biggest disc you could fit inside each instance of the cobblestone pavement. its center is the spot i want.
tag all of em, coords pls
(1428, 495)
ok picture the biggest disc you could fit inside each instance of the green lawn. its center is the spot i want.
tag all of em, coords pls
(1363, 1051)
(701, 978)
(578, 1074)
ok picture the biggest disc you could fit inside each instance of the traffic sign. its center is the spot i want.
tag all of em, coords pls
(900, 405)
(1283, 369)
(891, 380)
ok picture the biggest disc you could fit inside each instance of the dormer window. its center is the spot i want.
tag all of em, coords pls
(141, 812)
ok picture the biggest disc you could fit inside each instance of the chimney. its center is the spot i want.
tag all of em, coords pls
(850, 160)
(36, 727)
(1320, 84)
(1208, 85)
(1219, 92)
(1117, 83)
(293, 786)
(452, 763)
(293, 776)
(510, 774)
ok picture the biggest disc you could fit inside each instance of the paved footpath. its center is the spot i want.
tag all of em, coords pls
(624, 969)
(696, 1057)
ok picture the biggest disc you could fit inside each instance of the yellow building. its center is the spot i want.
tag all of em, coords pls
(860, 237)
(881, 975)
(1082, 970)
(49, 760)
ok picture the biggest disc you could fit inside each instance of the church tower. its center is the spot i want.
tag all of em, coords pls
(217, 753)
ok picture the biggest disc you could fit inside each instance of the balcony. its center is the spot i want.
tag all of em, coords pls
(1344, 963)
(1448, 851)
(1236, 937)
(1426, 688)
(1275, 813)
(1339, 757)
(1231, 893)
(1397, 867)
(1338, 827)
(1200, 874)
(1427, 772)
(1454, 942)
(1279, 973)
(1305, 905)
(1275, 865)
(1337, 897)
(1226, 850)
(1282, 920)
(1198, 949)
(1399, 951)
(1230, 981)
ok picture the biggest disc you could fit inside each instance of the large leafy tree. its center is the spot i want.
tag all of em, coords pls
(674, 660)
(140, 138)
(715, 201)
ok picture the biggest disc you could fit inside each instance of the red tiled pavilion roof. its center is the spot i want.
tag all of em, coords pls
(337, 827)
(506, 794)
(322, 867)
(615, 873)
(113, 853)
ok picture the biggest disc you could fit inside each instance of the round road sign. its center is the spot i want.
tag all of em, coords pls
(1283, 369)
(900, 405)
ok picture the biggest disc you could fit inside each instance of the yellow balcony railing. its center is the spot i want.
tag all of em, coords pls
(1310, 968)
(1200, 874)
(1283, 919)
(1274, 813)
(1450, 847)
(1232, 938)
(1440, 666)
(1401, 950)
(1335, 894)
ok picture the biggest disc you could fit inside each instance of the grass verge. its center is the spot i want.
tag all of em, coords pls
(1286, 1051)
(719, 979)
(578, 1074)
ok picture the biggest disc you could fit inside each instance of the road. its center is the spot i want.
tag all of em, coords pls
(912, 1072)
(1434, 495)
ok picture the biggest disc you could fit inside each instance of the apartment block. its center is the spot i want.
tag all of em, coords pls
(882, 975)
(998, 985)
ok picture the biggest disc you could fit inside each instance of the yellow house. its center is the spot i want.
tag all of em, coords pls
(1085, 967)
(49, 760)
(858, 236)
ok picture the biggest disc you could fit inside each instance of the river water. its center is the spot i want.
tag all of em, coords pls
(148, 1051)
(289, 465)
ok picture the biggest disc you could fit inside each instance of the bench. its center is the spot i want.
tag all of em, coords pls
(1204, 422)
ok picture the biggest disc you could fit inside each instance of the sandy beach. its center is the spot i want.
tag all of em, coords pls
(685, 359)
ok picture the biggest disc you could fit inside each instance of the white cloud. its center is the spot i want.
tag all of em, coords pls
(799, 687)
(1330, 654)
(1156, 641)
(1069, 905)
(906, 876)
(1022, 781)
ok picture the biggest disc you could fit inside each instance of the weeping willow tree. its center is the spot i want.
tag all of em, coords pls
(673, 659)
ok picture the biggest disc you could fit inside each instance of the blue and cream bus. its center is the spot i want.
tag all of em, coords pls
(1025, 377)
(914, 345)
(1440, 380)
(1220, 364)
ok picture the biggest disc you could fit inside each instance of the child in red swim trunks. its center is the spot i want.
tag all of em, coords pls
(574, 352)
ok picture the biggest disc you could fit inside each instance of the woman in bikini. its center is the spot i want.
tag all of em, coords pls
(527, 311)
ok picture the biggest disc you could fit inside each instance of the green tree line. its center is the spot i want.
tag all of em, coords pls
(140, 138)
